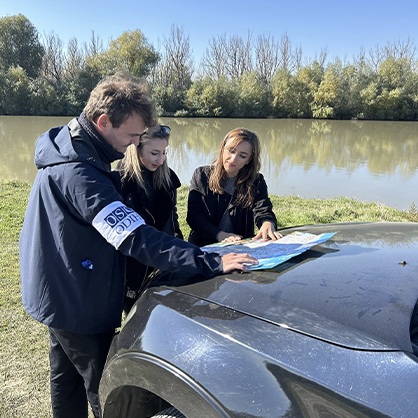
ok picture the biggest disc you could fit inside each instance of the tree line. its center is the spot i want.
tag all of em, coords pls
(251, 77)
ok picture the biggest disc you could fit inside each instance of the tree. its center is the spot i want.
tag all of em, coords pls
(228, 57)
(19, 45)
(74, 59)
(399, 49)
(392, 94)
(131, 53)
(267, 59)
(324, 97)
(254, 97)
(176, 66)
(15, 92)
(94, 47)
(172, 76)
(214, 60)
(238, 54)
(53, 63)
(209, 97)
(282, 86)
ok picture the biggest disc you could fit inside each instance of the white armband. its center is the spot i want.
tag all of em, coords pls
(116, 221)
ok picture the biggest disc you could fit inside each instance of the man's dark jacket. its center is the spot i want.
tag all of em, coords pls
(205, 209)
(76, 231)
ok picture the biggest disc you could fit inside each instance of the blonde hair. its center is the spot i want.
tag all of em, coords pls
(130, 166)
(247, 176)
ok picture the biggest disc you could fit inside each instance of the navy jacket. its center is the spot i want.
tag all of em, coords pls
(205, 209)
(76, 233)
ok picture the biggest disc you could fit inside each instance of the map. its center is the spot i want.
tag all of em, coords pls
(270, 253)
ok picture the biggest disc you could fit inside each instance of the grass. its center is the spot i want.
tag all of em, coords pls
(24, 343)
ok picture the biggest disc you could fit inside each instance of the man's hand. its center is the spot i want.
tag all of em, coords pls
(234, 261)
(267, 231)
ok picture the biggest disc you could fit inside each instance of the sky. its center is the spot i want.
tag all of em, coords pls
(341, 27)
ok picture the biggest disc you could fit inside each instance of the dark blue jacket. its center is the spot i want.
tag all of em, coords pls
(76, 233)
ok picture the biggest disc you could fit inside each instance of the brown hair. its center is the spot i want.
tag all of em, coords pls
(131, 168)
(119, 96)
(247, 176)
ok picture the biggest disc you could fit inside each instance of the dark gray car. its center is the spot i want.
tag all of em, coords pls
(326, 334)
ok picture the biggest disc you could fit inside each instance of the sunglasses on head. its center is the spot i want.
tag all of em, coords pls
(163, 131)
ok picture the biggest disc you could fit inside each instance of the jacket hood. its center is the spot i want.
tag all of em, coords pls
(64, 144)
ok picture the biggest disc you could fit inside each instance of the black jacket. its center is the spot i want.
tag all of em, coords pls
(205, 209)
(76, 233)
(161, 214)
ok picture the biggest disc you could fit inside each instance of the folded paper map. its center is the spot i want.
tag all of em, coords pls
(270, 253)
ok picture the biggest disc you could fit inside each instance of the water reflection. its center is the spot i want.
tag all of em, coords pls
(371, 161)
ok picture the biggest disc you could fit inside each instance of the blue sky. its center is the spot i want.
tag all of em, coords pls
(343, 27)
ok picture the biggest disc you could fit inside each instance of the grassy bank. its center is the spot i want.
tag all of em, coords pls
(24, 369)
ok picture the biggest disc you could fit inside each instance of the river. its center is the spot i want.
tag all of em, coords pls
(367, 160)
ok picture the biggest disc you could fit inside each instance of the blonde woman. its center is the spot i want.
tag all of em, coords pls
(229, 196)
(149, 187)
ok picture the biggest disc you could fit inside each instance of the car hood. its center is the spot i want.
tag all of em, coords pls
(357, 290)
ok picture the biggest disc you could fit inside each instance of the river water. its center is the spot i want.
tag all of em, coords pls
(367, 160)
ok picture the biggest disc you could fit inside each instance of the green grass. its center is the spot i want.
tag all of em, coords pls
(24, 385)
(294, 210)
(24, 343)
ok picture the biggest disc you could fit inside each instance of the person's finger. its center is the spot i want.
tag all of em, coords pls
(266, 235)
(272, 235)
(258, 235)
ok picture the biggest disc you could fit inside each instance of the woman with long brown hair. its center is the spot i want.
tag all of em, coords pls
(229, 196)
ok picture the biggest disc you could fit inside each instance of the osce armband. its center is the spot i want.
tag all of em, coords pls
(116, 221)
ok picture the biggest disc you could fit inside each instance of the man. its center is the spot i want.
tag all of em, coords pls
(77, 231)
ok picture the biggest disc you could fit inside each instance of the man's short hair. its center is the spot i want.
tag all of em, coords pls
(118, 96)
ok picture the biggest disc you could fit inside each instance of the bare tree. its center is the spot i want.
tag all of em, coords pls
(230, 57)
(297, 58)
(53, 63)
(376, 57)
(322, 57)
(238, 53)
(401, 49)
(94, 47)
(272, 55)
(176, 66)
(214, 60)
(285, 52)
(397, 49)
(267, 60)
(74, 59)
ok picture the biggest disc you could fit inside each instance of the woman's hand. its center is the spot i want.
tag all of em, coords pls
(234, 261)
(227, 237)
(267, 231)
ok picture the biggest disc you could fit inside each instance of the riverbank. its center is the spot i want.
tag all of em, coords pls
(24, 343)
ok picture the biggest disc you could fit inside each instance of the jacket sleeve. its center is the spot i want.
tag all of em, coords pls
(96, 201)
(262, 207)
(198, 215)
(157, 249)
